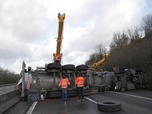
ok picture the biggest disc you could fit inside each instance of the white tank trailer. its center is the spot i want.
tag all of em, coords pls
(44, 81)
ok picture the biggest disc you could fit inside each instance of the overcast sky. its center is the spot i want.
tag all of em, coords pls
(28, 28)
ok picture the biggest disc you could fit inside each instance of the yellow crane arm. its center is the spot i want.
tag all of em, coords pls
(57, 55)
(99, 63)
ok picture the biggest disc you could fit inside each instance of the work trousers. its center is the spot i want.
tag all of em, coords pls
(80, 93)
(64, 94)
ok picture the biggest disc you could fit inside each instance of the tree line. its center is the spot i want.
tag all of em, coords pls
(130, 48)
(7, 76)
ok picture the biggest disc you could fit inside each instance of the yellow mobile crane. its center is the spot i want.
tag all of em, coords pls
(99, 63)
(57, 56)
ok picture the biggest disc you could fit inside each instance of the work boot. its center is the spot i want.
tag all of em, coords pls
(65, 103)
(82, 100)
(78, 100)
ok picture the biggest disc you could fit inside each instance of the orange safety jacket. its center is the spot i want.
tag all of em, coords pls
(79, 81)
(64, 83)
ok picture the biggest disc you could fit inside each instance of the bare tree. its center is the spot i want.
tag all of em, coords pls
(147, 25)
(100, 50)
(7, 76)
(97, 55)
(91, 59)
(134, 34)
(120, 40)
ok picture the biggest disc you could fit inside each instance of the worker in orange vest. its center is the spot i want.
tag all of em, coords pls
(64, 82)
(80, 84)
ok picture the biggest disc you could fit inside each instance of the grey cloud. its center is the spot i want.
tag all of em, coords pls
(28, 28)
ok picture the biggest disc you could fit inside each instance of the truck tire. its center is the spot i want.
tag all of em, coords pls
(68, 67)
(121, 71)
(82, 67)
(53, 66)
(109, 106)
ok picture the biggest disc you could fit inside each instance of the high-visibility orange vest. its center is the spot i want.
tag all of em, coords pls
(64, 83)
(79, 81)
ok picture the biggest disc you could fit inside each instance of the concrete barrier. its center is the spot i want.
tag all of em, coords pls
(8, 99)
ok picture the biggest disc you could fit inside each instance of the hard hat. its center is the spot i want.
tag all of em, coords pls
(63, 75)
(80, 74)
(29, 68)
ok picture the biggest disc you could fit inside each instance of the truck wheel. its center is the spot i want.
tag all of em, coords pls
(53, 66)
(82, 67)
(68, 67)
(109, 106)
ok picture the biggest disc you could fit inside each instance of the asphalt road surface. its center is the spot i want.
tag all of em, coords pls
(132, 102)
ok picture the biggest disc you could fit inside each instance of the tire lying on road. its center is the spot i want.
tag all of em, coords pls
(109, 106)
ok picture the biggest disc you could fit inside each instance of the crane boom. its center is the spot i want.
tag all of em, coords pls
(57, 56)
(99, 63)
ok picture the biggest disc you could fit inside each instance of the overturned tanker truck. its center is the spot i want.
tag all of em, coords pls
(116, 80)
(43, 82)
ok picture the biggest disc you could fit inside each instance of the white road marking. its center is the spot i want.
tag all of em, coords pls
(133, 95)
(32, 108)
(91, 100)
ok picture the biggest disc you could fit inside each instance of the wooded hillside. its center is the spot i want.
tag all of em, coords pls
(131, 48)
(7, 76)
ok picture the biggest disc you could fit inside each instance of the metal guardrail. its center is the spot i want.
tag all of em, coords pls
(2, 85)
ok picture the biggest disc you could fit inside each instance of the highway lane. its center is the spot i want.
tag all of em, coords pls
(20, 108)
(57, 106)
(132, 102)
(142, 93)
